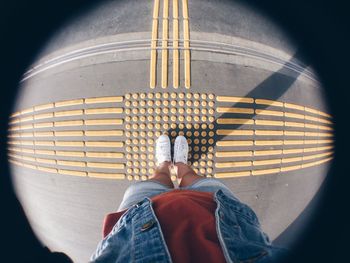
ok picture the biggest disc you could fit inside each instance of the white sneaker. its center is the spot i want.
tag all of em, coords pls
(163, 149)
(180, 150)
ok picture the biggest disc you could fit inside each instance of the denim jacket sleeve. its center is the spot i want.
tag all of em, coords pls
(138, 237)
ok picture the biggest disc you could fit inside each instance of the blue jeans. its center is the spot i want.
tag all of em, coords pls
(138, 191)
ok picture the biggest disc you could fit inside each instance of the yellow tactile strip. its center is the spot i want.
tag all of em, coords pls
(113, 137)
(170, 45)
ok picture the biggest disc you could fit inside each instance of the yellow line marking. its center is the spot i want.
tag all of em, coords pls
(43, 134)
(27, 158)
(311, 126)
(266, 171)
(27, 143)
(69, 144)
(234, 143)
(186, 34)
(31, 151)
(268, 142)
(292, 151)
(43, 125)
(294, 133)
(234, 154)
(115, 99)
(315, 156)
(25, 119)
(153, 63)
(269, 102)
(44, 107)
(70, 172)
(27, 134)
(105, 155)
(104, 133)
(46, 161)
(268, 132)
(69, 103)
(267, 162)
(43, 116)
(105, 165)
(29, 166)
(316, 149)
(292, 159)
(15, 114)
(15, 121)
(104, 111)
(68, 113)
(47, 169)
(44, 143)
(68, 123)
(291, 168)
(269, 123)
(317, 112)
(269, 112)
(235, 132)
(104, 122)
(14, 135)
(70, 153)
(71, 163)
(175, 44)
(69, 133)
(310, 118)
(234, 121)
(26, 111)
(234, 99)
(294, 115)
(305, 165)
(44, 152)
(26, 127)
(311, 141)
(165, 44)
(293, 142)
(233, 164)
(294, 106)
(294, 124)
(232, 174)
(235, 110)
(104, 144)
(107, 175)
(267, 152)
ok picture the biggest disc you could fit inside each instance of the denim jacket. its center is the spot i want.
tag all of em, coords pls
(137, 236)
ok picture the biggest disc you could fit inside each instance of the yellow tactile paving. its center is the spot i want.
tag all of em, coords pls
(234, 99)
(43, 116)
(113, 155)
(68, 123)
(294, 142)
(26, 111)
(68, 113)
(68, 103)
(305, 165)
(45, 161)
(104, 133)
(291, 168)
(294, 106)
(269, 112)
(234, 143)
(294, 124)
(234, 154)
(103, 111)
(292, 159)
(269, 123)
(104, 122)
(315, 156)
(165, 27)
(267, 152)
(268, 142)
(105, 165)
(153, 62)
(175, 44)
(43, 125)
(233, 164)
(186, 36)
(47, 169)
(43, 134)
(269, 102)
(107, 175)
(294, 115)
(69, 133)
(293, 151)
(232, 174)
(44, 106)
(294, 133)
(69, 143)
(268, 132)
(45, 143)
(70, 153)
(235, 132)
(266, 162)
(98, 100)
(72, 172)
(26, 119)
(307, 109)
(235, 110)
(234, 121)
(71, 163)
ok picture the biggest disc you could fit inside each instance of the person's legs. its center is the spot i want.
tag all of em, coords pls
(162, 175)
(186, 174)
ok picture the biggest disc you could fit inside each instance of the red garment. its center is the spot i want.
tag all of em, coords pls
(187, 219)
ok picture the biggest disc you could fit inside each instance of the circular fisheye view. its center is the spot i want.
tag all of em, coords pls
(170, 131)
